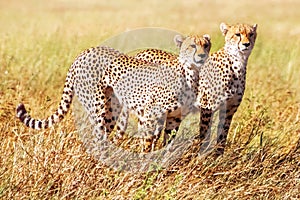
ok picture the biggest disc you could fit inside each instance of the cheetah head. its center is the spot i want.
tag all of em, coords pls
(239, 38)
(193, 49)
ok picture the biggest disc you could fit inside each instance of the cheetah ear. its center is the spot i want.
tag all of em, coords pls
(178, 39)
(207, 37)
(224, 28)
(254, 27)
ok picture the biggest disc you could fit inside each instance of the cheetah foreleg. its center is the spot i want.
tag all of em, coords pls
(227, 110)
(172, 124)
(205, 125)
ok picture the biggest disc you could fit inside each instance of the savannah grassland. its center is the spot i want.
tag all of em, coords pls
(40, 39)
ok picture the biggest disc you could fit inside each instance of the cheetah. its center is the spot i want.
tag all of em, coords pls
(221, 81)
(159, 56)
(154, 92)
(100, 72)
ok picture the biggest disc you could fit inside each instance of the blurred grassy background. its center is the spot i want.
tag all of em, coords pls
(40, 39)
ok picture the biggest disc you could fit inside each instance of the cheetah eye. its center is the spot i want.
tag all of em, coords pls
(238, 34)
(205, 46)
(251, 34)
(193, 45)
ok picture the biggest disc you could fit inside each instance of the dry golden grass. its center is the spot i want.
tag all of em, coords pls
(38, 42)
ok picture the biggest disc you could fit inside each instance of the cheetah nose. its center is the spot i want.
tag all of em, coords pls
(201, 55)
(246, 44)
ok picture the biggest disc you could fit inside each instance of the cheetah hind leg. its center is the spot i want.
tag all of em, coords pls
(121, 124)
(113, 110)
(103, 111)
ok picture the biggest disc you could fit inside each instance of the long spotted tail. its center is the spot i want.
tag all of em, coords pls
(57, 116)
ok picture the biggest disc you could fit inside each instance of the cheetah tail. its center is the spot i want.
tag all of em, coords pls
(56, 117)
